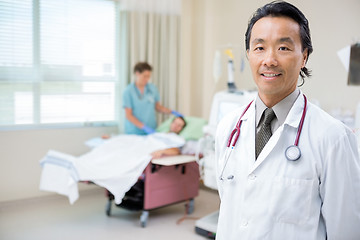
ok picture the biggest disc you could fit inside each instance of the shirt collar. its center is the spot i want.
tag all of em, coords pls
(146, 89)
(259, 109)
(281, 109)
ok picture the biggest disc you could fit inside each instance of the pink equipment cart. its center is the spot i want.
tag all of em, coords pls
(165, 181)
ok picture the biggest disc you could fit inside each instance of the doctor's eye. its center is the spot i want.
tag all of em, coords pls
(258, 49)
(284, 49)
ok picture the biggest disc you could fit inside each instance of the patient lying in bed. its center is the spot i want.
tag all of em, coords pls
(176, 126)
(116, 164)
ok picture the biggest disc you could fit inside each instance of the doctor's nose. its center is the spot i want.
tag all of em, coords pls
(270, 59)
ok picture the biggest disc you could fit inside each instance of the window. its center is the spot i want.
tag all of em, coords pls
(57, 61)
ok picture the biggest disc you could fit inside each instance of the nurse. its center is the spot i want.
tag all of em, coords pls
(266, 191)
(141, 100)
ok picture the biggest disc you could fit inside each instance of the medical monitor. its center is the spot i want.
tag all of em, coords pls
(226, 107)
(226, 102)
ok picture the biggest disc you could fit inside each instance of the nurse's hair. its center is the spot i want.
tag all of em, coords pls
(142, 66)
(284, 9)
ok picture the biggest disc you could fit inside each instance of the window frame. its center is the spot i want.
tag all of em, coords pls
(36, 82)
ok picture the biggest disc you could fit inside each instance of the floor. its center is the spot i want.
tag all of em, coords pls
(54, 218)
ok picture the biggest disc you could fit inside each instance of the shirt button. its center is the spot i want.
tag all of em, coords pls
(244, 223)
(252, 176)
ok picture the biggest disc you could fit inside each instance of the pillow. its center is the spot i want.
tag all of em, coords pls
(192, 131)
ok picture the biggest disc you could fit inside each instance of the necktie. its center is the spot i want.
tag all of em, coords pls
(264, 134)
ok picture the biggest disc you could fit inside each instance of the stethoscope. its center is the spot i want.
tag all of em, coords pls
(292, 153)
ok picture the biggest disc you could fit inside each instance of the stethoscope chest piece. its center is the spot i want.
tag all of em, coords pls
(292, 153)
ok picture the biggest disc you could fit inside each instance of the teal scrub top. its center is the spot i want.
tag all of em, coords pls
(142, 105)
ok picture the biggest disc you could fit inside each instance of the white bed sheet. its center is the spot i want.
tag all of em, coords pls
(116, 164)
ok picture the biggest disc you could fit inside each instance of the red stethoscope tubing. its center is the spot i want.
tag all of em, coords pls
(237, 128)
(238, 125)
(301, 122)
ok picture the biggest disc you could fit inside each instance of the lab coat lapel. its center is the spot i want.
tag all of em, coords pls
(292, 120)
(268, 148)
(248, 133)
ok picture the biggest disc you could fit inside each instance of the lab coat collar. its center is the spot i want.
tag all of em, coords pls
(295, 113)
(250, 112)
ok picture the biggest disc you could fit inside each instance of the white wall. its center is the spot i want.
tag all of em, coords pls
(215, 23)
(21, 151)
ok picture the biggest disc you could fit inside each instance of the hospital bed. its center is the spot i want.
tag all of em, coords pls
(165, 181)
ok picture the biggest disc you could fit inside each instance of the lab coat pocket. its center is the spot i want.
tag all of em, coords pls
(291, 200)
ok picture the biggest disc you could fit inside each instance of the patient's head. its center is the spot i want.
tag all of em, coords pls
(177, 125)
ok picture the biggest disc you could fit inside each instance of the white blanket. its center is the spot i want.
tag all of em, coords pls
(116, 164)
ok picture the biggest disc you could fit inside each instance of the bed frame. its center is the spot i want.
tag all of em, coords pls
(166, 181)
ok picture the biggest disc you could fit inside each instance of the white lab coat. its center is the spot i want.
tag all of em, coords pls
(314, 198)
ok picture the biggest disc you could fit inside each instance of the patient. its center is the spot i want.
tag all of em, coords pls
(176, 126)
(115, 164)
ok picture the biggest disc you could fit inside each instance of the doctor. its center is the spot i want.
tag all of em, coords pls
(312, 190)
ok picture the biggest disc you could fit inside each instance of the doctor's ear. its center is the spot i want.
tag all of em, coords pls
(305, 57)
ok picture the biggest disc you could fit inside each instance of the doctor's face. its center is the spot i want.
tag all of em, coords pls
(276, 57)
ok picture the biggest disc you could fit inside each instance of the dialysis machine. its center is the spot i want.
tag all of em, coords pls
(223, 103)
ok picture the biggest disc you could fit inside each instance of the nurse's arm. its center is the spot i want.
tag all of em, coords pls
(161, 108)
(129, 116)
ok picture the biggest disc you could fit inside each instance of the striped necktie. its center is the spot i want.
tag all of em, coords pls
(264, 134)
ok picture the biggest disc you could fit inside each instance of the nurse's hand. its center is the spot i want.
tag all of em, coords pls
(148, 130)
(177, 113)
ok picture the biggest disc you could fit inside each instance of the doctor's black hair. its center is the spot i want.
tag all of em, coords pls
(142, 66)
(284, 9)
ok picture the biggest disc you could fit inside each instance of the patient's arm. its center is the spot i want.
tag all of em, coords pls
(165, 152)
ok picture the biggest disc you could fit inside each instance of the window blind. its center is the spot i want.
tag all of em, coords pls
(57, 61)
(16, 62)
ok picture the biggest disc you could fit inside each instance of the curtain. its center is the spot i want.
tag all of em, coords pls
(150, 31)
